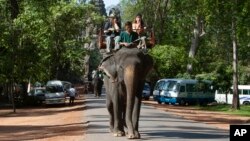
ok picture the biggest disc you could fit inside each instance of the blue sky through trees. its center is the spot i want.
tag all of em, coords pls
(111, 2)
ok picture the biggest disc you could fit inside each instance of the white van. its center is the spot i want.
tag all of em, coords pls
(244, 95)
(55, 93)
(183, 91)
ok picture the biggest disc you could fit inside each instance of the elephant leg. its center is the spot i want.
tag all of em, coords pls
(128, 116)
(118, 121)
(136, 115)
(137, 106)
(109, 105)
(117, 107)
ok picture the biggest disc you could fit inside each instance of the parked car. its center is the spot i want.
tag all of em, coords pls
(55, 93)
(37, 95)
(146, 91)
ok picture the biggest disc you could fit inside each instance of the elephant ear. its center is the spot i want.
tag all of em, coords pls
(108, 66)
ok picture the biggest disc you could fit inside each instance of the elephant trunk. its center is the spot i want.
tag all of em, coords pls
(130, 80)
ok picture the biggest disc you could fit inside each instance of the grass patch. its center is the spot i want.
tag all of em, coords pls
(225, 108)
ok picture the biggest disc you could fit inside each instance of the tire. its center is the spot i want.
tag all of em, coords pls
(246, 103)
(159, 102)
(167, 103)
(182, 102)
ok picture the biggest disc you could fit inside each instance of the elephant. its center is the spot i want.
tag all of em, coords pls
(126, 72)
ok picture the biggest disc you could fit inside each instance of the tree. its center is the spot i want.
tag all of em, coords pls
(169, 60)
(43, 39)
(211, 31)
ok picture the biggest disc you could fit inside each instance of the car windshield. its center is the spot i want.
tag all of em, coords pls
(53, 89)
(40, 91)
(146, 87)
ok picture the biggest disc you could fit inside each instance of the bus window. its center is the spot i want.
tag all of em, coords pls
(190, 88)
(171, 85)
(182, 89)
(246, 92)
(177, 87)
(157, 86)
(239, 91)
(164, 86)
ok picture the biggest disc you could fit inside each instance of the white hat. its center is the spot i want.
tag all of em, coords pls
(112, 15)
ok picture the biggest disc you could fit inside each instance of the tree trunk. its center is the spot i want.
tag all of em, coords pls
(14, 8)
(235, 104)
(195, 44)
(12, 96)
(226, 97)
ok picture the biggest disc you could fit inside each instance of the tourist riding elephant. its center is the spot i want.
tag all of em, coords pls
(125, 71)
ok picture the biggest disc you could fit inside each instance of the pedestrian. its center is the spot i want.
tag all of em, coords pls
(72, 94)
(98, 83)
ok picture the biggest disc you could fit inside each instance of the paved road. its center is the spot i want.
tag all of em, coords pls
(155, 125)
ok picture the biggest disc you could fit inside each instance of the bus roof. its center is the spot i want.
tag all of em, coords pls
(184, 80)
(243, 87)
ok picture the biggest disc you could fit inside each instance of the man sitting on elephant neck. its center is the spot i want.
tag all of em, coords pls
(128, 37)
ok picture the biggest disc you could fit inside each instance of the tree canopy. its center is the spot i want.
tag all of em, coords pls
(44, 40)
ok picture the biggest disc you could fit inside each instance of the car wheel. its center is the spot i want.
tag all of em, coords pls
(246, 103)
(159, 102)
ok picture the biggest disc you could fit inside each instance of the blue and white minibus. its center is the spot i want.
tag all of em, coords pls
(183, 91)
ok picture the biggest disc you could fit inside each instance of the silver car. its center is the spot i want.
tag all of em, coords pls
(55, 93)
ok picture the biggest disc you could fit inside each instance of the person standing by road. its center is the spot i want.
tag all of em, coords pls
(98, 83)
(72, 94)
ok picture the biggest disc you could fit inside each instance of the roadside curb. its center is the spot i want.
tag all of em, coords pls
(217, 119)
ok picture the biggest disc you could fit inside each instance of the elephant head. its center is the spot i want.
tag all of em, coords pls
(126, 70)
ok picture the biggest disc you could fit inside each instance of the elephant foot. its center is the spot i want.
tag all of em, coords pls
(137, 135)
(134, 136)
(119, 134)
(111, 130)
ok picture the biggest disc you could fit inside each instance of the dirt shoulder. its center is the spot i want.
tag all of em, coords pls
(217, 119)
(50, 123)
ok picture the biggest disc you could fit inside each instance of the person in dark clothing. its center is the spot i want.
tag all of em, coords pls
(112, 32)
(98, 83)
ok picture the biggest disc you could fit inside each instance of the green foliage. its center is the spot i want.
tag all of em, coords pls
(244, 110)
(174, 23)
(47, 40)
(169, 60)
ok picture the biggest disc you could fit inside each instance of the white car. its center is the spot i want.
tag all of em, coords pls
(146, 91)
(55, 93)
